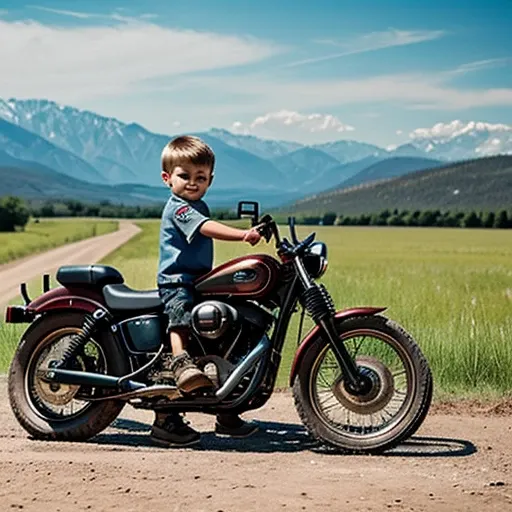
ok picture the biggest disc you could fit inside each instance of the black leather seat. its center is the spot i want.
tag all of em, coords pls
(93, 275)
(121, 297)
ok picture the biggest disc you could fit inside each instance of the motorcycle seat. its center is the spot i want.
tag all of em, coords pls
(95, 275)
(121, 297)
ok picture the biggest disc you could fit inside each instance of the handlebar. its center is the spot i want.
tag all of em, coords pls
(267, 228)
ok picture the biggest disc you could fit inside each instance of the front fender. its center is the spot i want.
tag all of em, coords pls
(310, 337)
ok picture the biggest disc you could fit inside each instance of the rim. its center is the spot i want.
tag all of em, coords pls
(58, 402)
(390, 368)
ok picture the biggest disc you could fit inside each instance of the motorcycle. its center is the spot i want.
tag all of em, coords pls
(360, 382)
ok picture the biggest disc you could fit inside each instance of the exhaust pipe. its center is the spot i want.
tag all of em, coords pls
(88, 379)
(130, 389)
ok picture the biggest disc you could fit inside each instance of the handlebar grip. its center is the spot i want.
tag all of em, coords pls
(265, 232)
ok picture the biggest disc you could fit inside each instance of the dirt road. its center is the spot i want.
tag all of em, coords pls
(83, 252)
(455, 463)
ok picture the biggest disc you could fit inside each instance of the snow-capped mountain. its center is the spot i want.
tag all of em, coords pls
(114, 148)
(119, 153)
(461, 141)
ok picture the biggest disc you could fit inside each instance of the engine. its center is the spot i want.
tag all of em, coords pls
(229, 330)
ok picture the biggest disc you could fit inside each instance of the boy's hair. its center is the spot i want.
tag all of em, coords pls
(187, 149)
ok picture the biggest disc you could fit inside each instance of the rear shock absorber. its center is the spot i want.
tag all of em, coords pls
(79, 340)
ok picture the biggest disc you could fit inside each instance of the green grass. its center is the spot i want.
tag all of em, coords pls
(450, 288)
(47, 234)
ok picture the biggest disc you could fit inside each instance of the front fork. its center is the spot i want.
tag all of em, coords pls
(319, 305)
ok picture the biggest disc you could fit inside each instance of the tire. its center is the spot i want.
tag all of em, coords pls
(95, 417)
(356, 439)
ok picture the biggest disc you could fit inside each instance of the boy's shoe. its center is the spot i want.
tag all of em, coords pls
(169, 430)
(184, 372)
(234, 426)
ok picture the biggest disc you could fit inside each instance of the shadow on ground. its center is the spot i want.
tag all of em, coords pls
(280, 437)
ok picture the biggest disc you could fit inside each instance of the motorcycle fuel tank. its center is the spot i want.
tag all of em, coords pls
(254, 275)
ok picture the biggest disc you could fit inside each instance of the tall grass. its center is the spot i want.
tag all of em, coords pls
(450, 288)
(47, 234)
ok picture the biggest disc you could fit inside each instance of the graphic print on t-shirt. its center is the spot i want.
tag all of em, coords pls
(183, 214)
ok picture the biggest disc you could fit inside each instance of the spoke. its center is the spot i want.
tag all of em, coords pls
(358, 347)
(328, 408)
(398, 373)
(324, 380)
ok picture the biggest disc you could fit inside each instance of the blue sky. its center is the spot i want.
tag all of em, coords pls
(310, 71)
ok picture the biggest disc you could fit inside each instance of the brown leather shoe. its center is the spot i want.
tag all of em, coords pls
(187, 375)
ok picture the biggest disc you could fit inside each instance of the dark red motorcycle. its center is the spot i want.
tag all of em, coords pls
(360, 382)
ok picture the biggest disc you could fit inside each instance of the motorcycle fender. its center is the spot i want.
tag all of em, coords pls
(310, 337)
(79, 299)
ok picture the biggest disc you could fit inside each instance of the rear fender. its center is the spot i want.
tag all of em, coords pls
(311, 336)
(79, 299)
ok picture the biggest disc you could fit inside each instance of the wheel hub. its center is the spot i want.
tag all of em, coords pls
(380, 391)
(55, 393)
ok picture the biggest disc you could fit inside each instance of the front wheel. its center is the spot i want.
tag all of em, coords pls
(390, 411)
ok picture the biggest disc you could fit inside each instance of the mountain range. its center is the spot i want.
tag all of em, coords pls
(121, 158)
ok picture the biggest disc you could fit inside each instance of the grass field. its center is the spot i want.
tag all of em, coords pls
(450, 288)
(47, 234)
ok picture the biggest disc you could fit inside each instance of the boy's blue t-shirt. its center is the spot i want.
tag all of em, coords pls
(184, 252)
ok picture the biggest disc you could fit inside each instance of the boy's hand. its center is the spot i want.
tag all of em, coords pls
(252, 236)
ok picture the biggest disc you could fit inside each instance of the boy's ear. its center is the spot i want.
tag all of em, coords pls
(166, 178)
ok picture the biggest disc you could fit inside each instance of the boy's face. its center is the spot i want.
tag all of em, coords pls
(188, 181)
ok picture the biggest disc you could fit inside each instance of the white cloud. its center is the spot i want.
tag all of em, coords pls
(399, 132)
(67, 63)
(289, 124)
(73, 14)
(373, 41)
(413, 91)
(444, 131)
(116, 16)
(480, 65)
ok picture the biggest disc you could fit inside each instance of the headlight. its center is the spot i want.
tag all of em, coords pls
(315, 260)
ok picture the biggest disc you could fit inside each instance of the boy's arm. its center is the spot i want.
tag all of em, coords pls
(219, 231)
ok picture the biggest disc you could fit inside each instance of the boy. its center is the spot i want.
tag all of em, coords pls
(186, 252)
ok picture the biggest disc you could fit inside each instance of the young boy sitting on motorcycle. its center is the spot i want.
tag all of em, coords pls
(186, 252)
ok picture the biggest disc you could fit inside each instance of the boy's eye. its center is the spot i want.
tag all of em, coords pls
(202, 179)
(183, 176)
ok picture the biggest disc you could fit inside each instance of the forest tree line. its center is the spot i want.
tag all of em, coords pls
(15, 213)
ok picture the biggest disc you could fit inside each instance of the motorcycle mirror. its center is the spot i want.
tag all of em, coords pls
(293, 232)
(249, 209)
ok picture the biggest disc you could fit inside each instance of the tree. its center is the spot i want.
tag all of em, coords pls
(501, 220)
(13, 214)
(489, 220)
(472, 220)
(329, 218)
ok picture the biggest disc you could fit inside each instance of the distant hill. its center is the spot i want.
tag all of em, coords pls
(306, 167)
(39, 182)
(350, 150)
(22, 144)
(32, 180)
(483, 184)
(389, 168)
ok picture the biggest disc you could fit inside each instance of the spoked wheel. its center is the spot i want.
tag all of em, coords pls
(51, 400)
(52, 411)
(392, 407)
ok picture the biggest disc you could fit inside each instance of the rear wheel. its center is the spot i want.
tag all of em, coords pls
(52, 411)
(391, 410)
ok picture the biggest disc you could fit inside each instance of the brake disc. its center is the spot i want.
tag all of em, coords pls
(380, 393)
